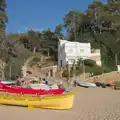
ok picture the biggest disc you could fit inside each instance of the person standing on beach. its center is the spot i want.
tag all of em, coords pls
(40, 79)
(75, 83)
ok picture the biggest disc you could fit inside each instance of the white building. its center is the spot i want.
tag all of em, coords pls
(69, 51)
(96, 56)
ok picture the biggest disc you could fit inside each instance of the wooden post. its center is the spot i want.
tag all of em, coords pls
(34, 50)
(48, 52)
(10, 71)
(84, 71)
(68, 72)
(74, 71)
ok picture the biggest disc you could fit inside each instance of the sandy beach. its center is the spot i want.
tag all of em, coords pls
(89, 104)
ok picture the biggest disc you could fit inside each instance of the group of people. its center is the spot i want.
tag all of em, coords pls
(21, 81)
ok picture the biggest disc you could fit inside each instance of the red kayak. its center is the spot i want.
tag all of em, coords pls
(21, 90)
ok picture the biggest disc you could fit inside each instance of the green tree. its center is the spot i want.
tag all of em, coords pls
(74, 22)
(3, 17)
(58, 31)
(99, 25)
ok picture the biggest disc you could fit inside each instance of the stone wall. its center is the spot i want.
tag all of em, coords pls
(108, 77)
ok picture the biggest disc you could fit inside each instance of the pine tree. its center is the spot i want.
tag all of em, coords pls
(3, 17)
(111, 1)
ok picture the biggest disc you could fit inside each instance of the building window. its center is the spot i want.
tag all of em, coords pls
(81, 50)
(70, 50)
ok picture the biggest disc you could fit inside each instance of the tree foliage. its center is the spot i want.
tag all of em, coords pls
(44, 42)
(87, 66)
(99, 25)
(21, 46)
(3, 17)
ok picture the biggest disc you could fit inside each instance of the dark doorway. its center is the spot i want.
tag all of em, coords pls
(61, 63)
(51, 73)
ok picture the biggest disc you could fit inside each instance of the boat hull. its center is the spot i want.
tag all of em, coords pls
(64, 101)
(86, 84)
(21, 90)
(8, 82)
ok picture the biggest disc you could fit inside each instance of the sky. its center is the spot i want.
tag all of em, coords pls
(24, 15)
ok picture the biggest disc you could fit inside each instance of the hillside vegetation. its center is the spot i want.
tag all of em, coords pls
(99, 25)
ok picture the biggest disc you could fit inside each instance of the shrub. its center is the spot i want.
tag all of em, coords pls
(88, 69)
(66, 74)
(106, 70)
(89, 63)
(36, 59)
(97, 70)
(117, 83)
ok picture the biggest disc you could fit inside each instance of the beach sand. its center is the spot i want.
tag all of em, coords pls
(89, 104)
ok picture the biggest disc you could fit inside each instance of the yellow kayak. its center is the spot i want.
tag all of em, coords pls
(64, 101)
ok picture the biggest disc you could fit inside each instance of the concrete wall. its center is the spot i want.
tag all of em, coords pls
(107, 77)
(61, 51)
(96, 56)
(51, 70)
